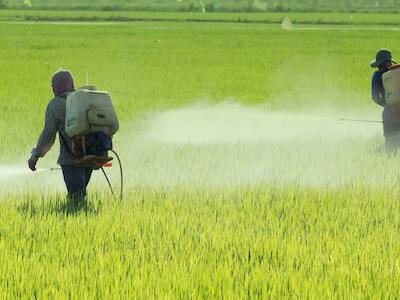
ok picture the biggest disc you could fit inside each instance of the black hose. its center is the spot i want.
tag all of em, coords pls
(108, 181)
(121, 175)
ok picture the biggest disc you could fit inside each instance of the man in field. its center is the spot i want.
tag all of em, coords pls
(384, 80)
(76, 178)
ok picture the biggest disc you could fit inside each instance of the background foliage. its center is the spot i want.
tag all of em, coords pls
(213, 5)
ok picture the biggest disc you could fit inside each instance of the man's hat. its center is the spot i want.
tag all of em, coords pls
(382, 56)
(62, 76)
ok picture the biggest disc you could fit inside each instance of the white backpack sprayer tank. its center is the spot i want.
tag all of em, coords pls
(391, 84)
(91, 122)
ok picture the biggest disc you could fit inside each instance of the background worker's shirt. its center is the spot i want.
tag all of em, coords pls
(55, 122)
(377, 90)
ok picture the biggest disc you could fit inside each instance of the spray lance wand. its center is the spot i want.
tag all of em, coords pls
(48, 169)
(102, 168)
(360, 120)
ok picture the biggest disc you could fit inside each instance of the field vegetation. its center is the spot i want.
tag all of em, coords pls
(264, 18)
(312, 214)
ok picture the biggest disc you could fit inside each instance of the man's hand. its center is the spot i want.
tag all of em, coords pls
(32, 163)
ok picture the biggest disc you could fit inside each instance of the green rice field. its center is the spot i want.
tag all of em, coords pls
(241, 181)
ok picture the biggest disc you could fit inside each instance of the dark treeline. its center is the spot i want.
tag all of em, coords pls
(341, 4)
(209, 5)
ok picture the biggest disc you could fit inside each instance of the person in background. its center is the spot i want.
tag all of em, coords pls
(76, 178)
(391, 111)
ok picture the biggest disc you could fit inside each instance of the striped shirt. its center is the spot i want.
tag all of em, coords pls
(55, 123)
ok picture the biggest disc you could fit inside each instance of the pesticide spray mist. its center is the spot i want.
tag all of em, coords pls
(229, 144)
(18, 179)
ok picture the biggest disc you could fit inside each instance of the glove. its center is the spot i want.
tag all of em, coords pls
(32, 163)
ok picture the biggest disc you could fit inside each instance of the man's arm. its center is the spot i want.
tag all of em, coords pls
(46, 139)
(377, 90)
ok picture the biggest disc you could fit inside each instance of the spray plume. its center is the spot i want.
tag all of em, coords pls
(230, 144)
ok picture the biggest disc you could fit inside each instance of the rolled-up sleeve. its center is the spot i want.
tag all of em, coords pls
(377, 90)
(48, 135)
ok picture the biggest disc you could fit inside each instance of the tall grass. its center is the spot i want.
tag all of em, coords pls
(264, 242)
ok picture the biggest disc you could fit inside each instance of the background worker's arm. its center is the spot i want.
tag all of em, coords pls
(377, 90)
(46, 139)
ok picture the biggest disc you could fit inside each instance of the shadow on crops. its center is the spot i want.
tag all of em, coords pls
(58, 208)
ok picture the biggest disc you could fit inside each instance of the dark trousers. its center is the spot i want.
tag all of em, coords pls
(76, 179)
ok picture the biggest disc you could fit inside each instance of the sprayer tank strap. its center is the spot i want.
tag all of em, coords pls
(62, 138)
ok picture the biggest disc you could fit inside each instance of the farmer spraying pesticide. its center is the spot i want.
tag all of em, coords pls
(386, 93)
(85, 121)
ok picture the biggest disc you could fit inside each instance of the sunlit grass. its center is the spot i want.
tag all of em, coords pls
(259, 242)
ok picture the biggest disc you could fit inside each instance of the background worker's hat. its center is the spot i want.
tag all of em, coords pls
(382, 56)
